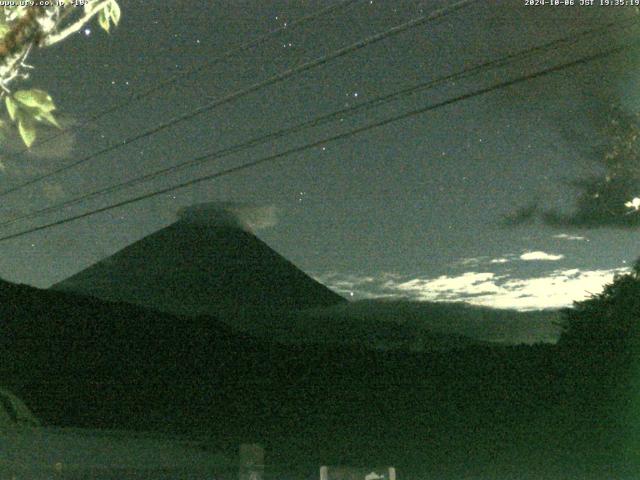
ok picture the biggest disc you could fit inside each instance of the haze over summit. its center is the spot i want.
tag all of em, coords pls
(244, 216)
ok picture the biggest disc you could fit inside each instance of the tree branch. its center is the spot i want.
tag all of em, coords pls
(77, 25)
(25, 31)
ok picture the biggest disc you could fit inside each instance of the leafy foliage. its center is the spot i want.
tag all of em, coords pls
(109, 14)
(24, 27)
(605, 197)
(26, 108)
(609, 320)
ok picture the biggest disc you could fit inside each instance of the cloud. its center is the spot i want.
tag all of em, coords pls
(566, 236)
(482, 260)
(450, 288)
(473, 262)
(538, 255)
(499, 260)
(367, 286)
(470, 261)
(550, 290)
(246, 216)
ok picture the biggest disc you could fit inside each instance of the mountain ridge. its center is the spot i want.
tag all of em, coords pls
(196, 269)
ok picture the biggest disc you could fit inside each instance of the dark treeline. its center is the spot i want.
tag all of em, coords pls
(543, 411)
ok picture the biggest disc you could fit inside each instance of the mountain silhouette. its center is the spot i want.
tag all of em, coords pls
(199, 267)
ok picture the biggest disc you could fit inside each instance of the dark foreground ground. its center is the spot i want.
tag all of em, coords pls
(479, 412)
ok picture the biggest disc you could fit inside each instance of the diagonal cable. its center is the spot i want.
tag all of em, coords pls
(253, 88)
(341, 136)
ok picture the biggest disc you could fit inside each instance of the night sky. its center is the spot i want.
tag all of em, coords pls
(433, 207)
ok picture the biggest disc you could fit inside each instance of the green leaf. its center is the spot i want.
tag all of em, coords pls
(12, 107)
(115, 12)
(104, 19)
(38, 99)
(48, 118)
(27, 129)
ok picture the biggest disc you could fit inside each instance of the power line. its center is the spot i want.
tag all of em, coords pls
(373, 103)
(253, 88)
(192, 71)
(326, 140)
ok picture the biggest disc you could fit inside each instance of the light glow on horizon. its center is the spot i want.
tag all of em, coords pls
(553, 289)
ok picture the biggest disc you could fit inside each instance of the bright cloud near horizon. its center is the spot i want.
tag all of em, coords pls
(566, 236)
(552, 289)
(538, 255)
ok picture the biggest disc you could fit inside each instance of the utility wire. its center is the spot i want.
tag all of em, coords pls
(192, 71)
(373, 103)
(253, 88)
(326, 140)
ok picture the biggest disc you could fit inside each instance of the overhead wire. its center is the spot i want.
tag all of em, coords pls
(253, 88)
(318, 121)
(160, 86)
(334, 138)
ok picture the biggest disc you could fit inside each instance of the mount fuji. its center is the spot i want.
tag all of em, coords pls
(205, 262)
